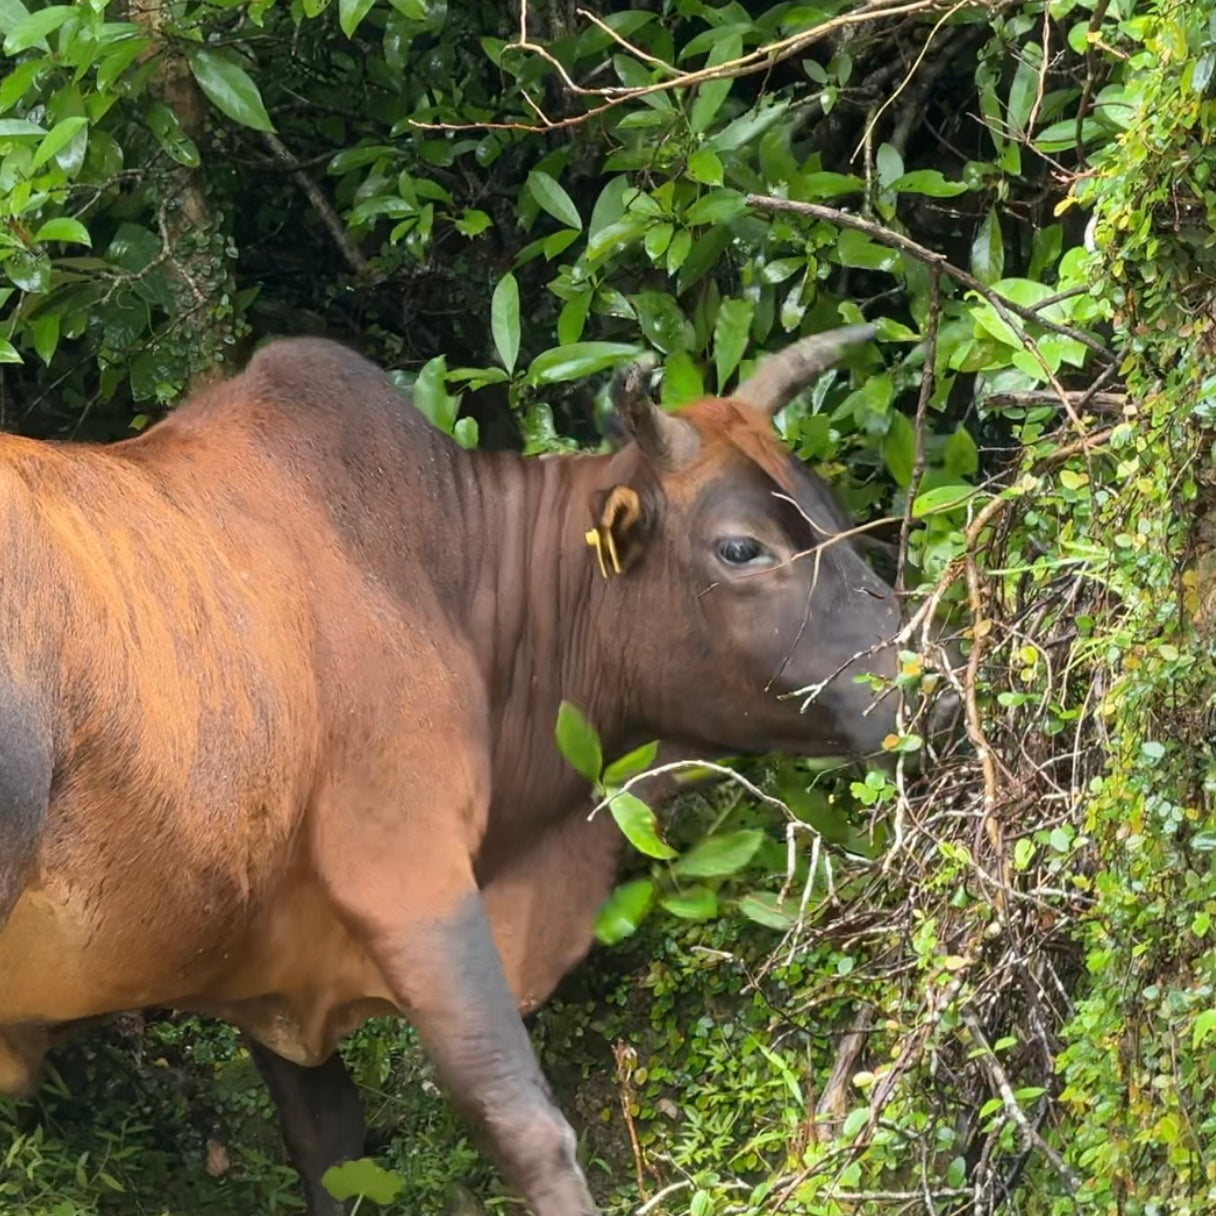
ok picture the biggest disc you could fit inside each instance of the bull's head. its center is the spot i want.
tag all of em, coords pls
(734, 568)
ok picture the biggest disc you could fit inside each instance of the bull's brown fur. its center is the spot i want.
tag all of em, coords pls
(296, 660)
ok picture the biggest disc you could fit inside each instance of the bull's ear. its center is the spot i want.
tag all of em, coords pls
(621, 526)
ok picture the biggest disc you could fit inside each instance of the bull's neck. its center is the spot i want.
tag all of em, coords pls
(532, 600)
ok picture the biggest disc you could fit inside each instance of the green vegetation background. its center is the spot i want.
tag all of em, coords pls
(991, 989)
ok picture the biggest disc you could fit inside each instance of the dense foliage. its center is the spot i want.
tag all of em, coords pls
(987, 988)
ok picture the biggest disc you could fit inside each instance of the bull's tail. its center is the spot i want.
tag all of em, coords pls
(25, 789)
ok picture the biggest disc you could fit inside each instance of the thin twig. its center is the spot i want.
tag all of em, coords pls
(329, 217)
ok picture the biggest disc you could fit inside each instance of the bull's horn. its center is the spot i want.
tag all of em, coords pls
(666, 441)
(780, 377)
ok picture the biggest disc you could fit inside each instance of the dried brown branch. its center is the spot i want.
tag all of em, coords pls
(321, 205)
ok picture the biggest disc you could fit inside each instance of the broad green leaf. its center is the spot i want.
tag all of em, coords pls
(18, 79)
(33, 28)
(431, 398)
(64, 228)
(716, 207)
(8, 352)
(641, 829)
(362, 1177)
(573, 317)
(766, 909)
(12, 13)
(29, 269)
(45, 331)
(678, 250)
(466, 433)
(747, 129)
(988, 250)
(681, 380)
(578, 359)
(719, 856)
(731, 331)
(550, 196)
(702, 256)
(713, 93)
(1204, 1025)
(812, 186)
(856, 249)
(58, 138)
(1024, 89)
(20, 128)
(927, 181)
(578, 742)
(473, 223)
(623, 911)
(351, 13)
(356, 158)
(167, 130)
(940, 498)
(890, 165)
(229, 88)
(663, 321)
(705, 167)
(960, 457)
(631, 764)
(697, 903)
(504, 320)
(899, 449)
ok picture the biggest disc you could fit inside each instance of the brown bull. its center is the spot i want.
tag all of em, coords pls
(277, 689)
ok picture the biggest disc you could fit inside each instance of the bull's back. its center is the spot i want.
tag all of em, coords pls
(161, 625)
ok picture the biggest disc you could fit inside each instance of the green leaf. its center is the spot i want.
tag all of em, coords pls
(8, 352)
(14, 85)
(718, 856)
(705, 167)
(899, 449)
(940, 498)
(362, 1177)
(578, 742)
(29, 269)
(167, 130)
(766, 909)
(504, 320)
(12, 12)
(1023, 90)
(1203, 1026)
(890, 165)
(20, 128)
(713, 93)
(681, 380)
(550, 196)
(631, 764)
(731, 330)
(697, 903)
(466, 433)
(32, 29)
(64, 228)
(58, 138)
(988, 250)
(578, 359)
(473, 223)
(45, 331)
(351, 12)
(824, 184)
(927, 181)
(623, 911)
(230, 89)
(637, 821)
(960, 457)
(716, 207)
(663, 321)
(856, 249)
(747, 129)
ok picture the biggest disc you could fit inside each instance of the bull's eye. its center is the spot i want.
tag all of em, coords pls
(743, 551)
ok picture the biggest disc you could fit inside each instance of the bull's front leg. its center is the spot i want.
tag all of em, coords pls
(410, 896)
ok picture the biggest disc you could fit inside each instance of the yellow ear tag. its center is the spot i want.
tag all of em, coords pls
(597, 540)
